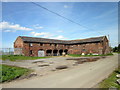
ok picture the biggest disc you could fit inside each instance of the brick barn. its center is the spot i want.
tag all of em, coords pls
(32, 46)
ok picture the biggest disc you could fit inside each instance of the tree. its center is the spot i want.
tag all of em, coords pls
(115, 49)
(119, 48)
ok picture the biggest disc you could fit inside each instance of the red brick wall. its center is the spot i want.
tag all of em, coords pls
(106, 48)
(36, 47)
(72, 49)
(18, 43)
(85, 48)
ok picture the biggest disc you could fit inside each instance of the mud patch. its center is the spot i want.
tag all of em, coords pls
(38, 62)
(61, 67)
(43, 65)
(84, 59)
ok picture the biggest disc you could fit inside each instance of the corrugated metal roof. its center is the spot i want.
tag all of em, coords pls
(45, 40)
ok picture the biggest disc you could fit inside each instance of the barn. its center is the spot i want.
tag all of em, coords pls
(34, 46)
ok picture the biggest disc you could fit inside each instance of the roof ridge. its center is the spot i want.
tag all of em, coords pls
(64, 40)
(89, 38)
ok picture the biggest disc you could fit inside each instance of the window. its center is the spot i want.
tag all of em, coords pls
(83, 46)
(31, 44)
(31, 51)
(83, 50)
(68, 46)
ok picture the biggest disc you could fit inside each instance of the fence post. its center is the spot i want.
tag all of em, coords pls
(9, 51)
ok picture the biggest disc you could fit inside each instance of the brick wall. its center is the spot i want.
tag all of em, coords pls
(72, 49)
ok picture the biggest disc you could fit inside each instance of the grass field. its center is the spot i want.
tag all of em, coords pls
(19, 57)
(110, 82)
(11, 72)
(78, 55)
(117, 52)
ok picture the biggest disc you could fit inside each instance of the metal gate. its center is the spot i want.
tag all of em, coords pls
(41, 53)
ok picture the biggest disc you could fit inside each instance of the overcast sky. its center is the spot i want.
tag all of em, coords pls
(27, 19)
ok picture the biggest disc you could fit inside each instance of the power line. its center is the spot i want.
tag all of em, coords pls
(63, 17)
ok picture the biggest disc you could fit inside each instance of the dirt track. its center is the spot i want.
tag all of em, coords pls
(85, 75)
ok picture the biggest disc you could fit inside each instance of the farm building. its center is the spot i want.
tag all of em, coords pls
(32, 46)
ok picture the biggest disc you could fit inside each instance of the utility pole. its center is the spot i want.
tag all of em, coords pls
(109, 42)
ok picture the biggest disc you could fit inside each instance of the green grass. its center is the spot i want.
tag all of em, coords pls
(117, 52)
(19, 57)
(78, 55)
(110, 82)
(11, 72)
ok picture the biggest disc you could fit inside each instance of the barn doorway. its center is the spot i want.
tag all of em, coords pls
(60, 52)
(66, 51)
(49, 52)
(41, 53)
(55, 52)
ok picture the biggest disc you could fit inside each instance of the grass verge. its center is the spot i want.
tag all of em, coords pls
(117, 52)
(110, 82)
(19, 57)
(78, 55)
(11, 72)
